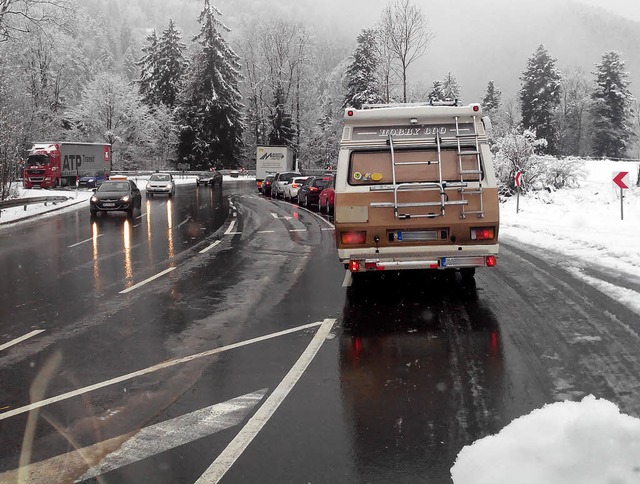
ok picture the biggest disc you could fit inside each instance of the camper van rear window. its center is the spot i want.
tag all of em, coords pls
(411, 165)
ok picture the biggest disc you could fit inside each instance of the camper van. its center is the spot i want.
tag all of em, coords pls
(415, 188)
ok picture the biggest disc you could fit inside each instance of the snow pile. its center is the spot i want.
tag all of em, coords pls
(587, 442)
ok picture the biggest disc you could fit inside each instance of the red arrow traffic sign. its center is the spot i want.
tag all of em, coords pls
(618, 179)
(517, 178)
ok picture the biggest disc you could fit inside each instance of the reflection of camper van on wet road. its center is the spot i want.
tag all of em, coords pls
(416, 189)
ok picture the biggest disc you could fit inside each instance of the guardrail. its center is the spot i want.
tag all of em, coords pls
(31, 201)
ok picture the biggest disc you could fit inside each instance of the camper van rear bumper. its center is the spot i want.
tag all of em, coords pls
(362, 260)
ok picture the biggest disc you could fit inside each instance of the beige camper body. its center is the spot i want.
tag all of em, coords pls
(416, 189)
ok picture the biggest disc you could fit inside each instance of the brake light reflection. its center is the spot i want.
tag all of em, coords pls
(353, 238)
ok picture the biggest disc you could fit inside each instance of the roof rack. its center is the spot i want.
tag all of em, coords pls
(446, 102)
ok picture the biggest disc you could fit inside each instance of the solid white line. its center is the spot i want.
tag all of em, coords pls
(231, 226)
(146, 281)
(348, 280)
(298, 230)
(230, 454)
(178, 431)
(265, 232)
(233, 233)
(83, 242)
(21, 339)
(151, 369)
(210, 247)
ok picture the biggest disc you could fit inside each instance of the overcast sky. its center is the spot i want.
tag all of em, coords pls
(626, 8)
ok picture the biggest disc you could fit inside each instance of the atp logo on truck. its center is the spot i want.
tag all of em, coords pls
(74, 162)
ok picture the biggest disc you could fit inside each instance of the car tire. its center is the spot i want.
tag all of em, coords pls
(327, 208)
(306, 202)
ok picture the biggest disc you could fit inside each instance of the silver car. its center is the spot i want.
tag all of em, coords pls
(161, 183)
(282, 179)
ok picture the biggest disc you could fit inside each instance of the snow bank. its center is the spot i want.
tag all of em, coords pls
(587, 442)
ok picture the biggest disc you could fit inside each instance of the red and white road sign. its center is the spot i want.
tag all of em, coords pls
(621, 179)
(518, 178)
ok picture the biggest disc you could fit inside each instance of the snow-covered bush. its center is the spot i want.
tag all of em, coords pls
(563, 172)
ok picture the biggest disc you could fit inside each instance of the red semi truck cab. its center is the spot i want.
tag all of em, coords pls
(50, 165)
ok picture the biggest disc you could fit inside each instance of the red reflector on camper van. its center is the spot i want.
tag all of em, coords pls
(350, 113)
(483, 233)
(476, 108)
(353, 238)
(354, 266)
(491, 261)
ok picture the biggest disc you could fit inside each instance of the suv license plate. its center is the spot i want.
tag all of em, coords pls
(109, 204)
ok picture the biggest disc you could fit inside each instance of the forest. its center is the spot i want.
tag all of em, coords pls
(203, 82)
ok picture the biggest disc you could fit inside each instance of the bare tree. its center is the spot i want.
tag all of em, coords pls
(406, 31)
(18, 15)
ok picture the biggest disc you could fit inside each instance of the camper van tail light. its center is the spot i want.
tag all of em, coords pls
(491, 261)
(476, 108)
(354, 266)
(353, 238)
(350, 112)
(483, 233)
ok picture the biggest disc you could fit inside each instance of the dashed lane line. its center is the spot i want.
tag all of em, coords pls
(207, 249)
(21, 339)
(238, 445)
(83, 242)
(151, 369)
(146, 281)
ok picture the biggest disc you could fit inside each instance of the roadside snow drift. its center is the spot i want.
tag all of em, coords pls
(587, 442)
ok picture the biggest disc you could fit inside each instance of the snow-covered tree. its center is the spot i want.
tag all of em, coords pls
(450, 87)
(436, 93)
(516, 151)
(362, 81)
(148, 65)
(611, 109)
(406, 31)
(573, 119)
(112, 110)
(282, 132)
(170, 66)
(211, 109)
(540, 96)
(492, 100)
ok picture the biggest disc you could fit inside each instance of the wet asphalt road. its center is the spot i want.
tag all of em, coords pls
(414, 368)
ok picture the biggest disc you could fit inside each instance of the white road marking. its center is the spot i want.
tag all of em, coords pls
(21, 339)
(146, 281)
(275, 215)
(151, 369)
(207, 249)
(183, 222)
(233, 233)
(231, 226)
(348, 280)
(172, 433)
(317, 216)
(230, 454)
(83, 242)
(328, 229)
(297, 230)
(265, 232)
(142, 215)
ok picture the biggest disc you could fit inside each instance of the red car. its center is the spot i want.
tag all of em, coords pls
(327, 197)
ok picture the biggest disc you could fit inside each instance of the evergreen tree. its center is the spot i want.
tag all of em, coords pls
(170, 66)
(211, 107)
(450, 87)
(436, 94)
(282, 132)
(492, 99)
(611, 107)
(362, 82)
(148, 69)
(540, 96)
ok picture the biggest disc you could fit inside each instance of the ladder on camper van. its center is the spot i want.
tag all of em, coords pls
(465, 191)
(440, 185)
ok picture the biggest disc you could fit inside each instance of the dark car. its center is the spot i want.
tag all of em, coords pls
(91, 181)
(309, 193)
(266, 185)
(116, 195)
(211, 178)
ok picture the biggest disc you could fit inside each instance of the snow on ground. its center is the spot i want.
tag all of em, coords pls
(76, 199)
(587, 442)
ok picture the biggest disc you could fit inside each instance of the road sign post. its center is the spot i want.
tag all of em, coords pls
(518, 180)
(619, 179)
